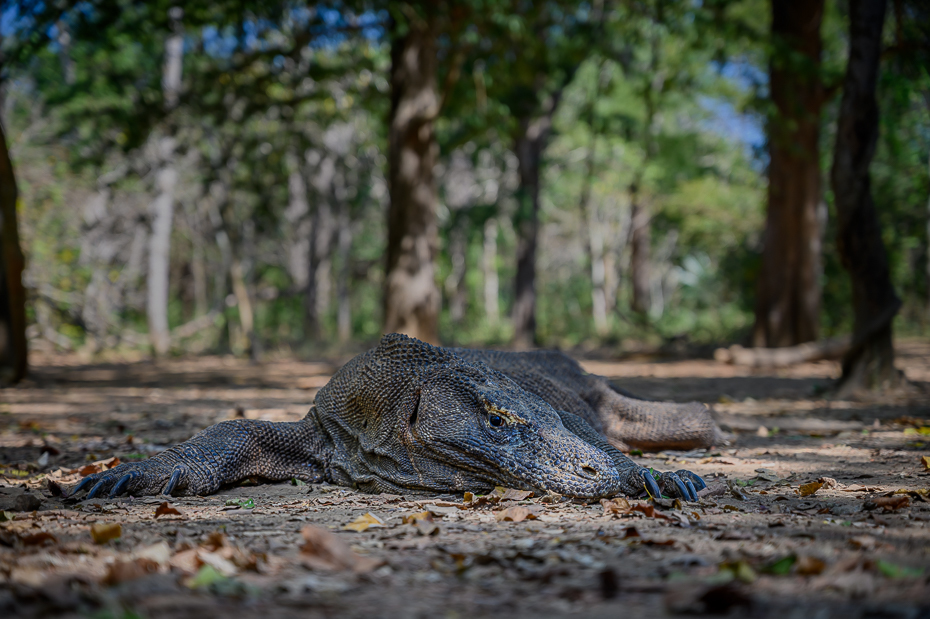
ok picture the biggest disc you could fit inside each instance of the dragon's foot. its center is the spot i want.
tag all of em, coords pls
(680, 484)
(147, 477)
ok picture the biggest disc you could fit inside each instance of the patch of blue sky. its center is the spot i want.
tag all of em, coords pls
(743, 73)
(728, 122)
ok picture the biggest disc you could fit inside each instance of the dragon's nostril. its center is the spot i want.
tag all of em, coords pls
(589, 471)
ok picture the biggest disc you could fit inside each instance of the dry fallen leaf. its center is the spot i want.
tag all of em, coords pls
(37, 539)
(216, 561)
(103, 533)
(166, 510)
(472, 500)
(417, 517)
(98, 466)
(517, 513)
(809, 489)
(159, 553)
(323, 550)
(809, 566)
(186, 561)
(124, 571)
(649, 511)
(616, 506)
(863, 542)
(925, 460)
(890, 503)
(511, 494)
(364, 522)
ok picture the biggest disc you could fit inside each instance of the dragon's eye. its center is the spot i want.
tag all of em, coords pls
(496, 420)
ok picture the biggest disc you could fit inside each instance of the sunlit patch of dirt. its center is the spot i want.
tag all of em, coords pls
(857, 546)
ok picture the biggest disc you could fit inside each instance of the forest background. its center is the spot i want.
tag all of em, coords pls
(284, 178)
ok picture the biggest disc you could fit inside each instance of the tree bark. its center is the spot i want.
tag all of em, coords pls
(13, 350)
(594, 233)
(640, 248)
(343, 300)
(528, 146)
(456, 291)
(162, 208)
(317, 292)
(788, 291)
(411, 296)
(869, 364)
(489, 268)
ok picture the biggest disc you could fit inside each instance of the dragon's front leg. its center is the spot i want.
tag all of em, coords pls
(222, 454)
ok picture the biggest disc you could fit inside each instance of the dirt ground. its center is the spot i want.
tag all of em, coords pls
(756, 543)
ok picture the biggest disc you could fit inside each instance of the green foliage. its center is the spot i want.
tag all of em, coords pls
(280, 91)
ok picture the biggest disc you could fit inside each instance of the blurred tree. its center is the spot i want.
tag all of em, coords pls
(13, 347)
(166, 180)
(545, 42)
(788, 295)
(13, 353)
(870, 362)
(411, 296)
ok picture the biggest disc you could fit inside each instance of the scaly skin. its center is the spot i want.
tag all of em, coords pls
(405, 416)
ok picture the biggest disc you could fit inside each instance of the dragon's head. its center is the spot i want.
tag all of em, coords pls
(455, 425)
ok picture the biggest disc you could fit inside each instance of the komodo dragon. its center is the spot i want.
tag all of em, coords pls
(410, 416)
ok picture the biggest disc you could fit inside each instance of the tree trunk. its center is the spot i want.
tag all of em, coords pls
(869, 364)
(594, 245)
(343, 301)
(411, 296)
(162, 208)
(456, 292)
(788, 292)
(529, 145)
(489, 268)
(298, 224)
(317, 292)
(13, 352)
(594, 233)
(640, 248)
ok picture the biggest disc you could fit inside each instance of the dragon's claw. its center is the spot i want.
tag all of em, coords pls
(121, 484)
(652, 488)
(172, 481)
(691, 491)
(96, 489)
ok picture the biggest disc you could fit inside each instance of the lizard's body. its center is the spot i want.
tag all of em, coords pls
(407, 415)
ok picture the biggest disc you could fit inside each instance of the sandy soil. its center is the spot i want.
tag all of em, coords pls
(752, 544)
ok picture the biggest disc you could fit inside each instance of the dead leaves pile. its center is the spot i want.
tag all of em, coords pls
(324, 551)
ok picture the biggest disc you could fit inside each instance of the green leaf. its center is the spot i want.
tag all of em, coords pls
(243, 503)
(896, 571)
(636, 452)
(782, 566)
(298, 482)
(206, 576)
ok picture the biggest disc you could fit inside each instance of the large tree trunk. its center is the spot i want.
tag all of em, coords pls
(788, 292)
(594, 233)
(12, 294)
(411, 296)
(594, 243)
(640, 249)
(162, 208)
(489, 273)
(343, 300)
(317, 291)
(529, 145)
(870, 362)
(456, 291)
